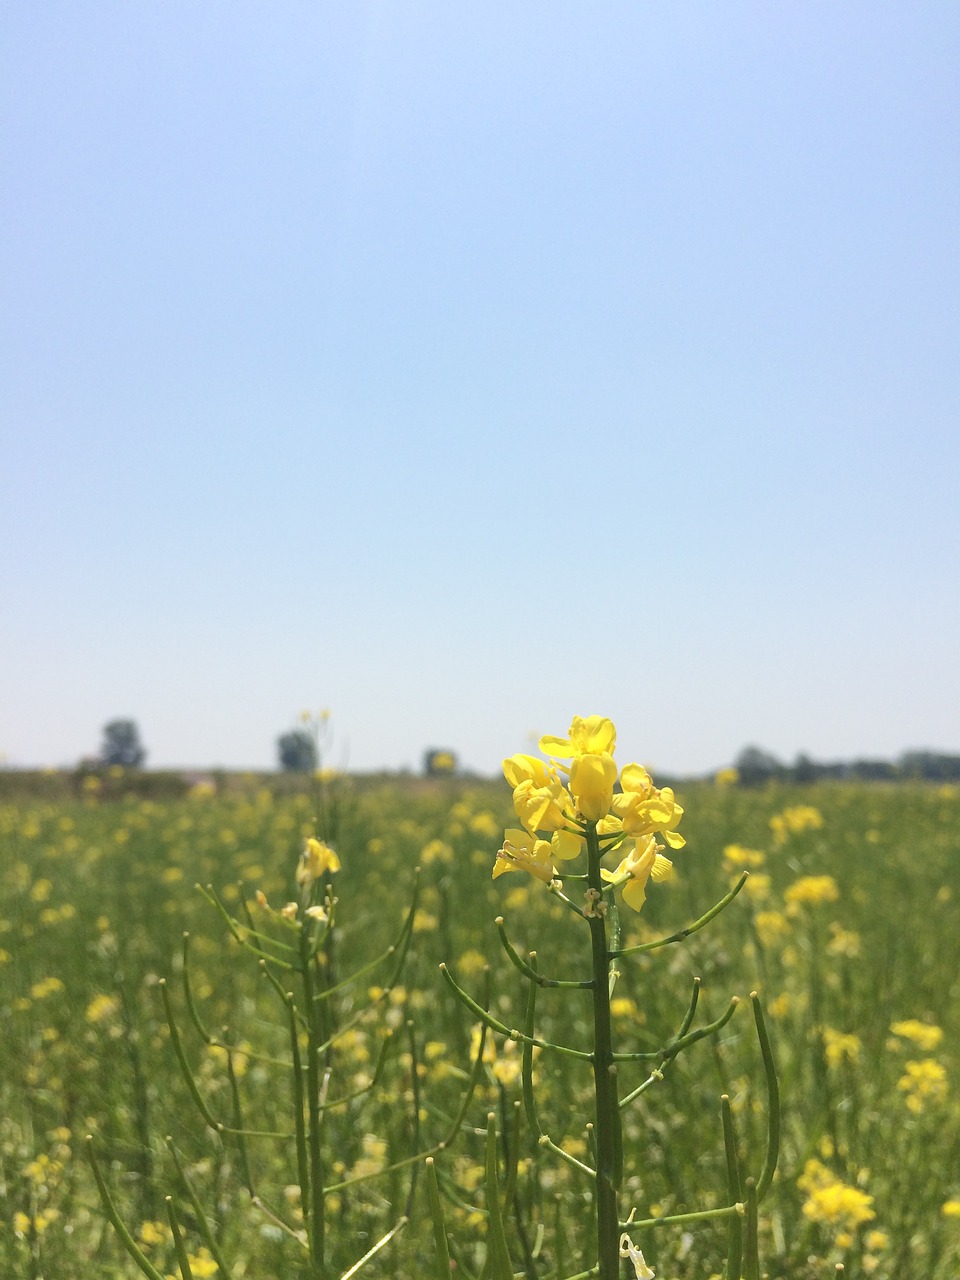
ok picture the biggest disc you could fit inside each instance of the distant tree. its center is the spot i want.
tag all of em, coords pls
(805, 770)
(121, 744)
(756, 767)
(933, 766)
(873, 770)
(439, 763)
(297, 751)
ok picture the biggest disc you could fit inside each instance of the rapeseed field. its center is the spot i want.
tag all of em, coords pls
(352, 1028)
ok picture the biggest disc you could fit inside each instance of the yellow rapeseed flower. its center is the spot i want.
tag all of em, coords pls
(522, 851)
(771, 926)
(832, 1201)
(316, 860)
(736, 857)
(436, 851)
(925, 1035)
(590, 735)
(523, 768)
(101, 1008)
(542, 808)
(843, 942)
(923, 1082)
(46, 987)
(153, 1232)
(202, 1264)
(840, 1046)
(812, 891)
(592, 777)
(643, 809)
(641, 864)
(794, 820)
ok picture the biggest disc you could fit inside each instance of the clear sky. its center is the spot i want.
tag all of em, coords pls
(464, 367)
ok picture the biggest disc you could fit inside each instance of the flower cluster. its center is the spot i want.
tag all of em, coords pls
(579, 784)
(831, 1201)
(924, 1081)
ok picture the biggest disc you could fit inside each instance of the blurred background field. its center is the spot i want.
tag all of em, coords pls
(847, 928)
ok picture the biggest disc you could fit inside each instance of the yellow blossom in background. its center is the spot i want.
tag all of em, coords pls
(624, 1007)
(101, 1008)
(794, 820)
(316, 860)
(726, 778)
(839, 1046)
(811, 891)
(924, 1082)
(737, 858)
(518, 898)
(780, 1005)
(202, 1264)
(950, 1208)
(843, 942)
(771, 926)
(24, 1225)
(831, 1201)
(436, 851)
(925, 1035)
(758, 886)
(239, 1057)
(46, 987)
(41, 890)
(484, 824)
(154, 1232)
(507, 1063)
(641, 864)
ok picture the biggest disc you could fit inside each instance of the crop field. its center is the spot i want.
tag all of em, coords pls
(214, 1103)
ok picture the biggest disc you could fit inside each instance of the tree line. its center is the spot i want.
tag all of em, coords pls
(756, 767)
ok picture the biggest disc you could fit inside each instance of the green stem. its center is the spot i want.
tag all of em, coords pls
(439, 1227)
(682, 934)
(126, 1239)
(608, 1128)
(735, 1231)
(315, 1216)
(773, 1101)
(183, 1261)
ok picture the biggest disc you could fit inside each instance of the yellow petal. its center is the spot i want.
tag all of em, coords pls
(635, 894)
(633, 777)
(566, 845)
(662, 869)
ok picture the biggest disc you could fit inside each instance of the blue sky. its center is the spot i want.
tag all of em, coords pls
(462, 368)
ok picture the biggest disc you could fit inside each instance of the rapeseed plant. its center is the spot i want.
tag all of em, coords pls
(576, 806)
